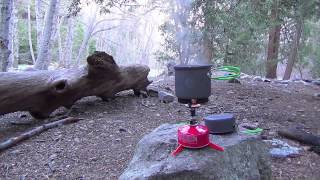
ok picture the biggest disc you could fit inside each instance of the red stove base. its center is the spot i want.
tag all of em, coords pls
(194, 137)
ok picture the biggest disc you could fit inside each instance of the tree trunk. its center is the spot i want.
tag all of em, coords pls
(42, 62)
(60, 53)
(68, 53)
(42, 92)
(13, 38)
(294, 50)
(39, 21)
(85, 41)
(5, 14)
(273, 44)
(29, 33)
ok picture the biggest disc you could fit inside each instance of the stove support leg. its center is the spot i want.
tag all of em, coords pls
(177, 150)
(216, 147)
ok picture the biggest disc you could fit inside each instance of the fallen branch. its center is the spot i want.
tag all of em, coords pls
(15, 140)
(300, 136)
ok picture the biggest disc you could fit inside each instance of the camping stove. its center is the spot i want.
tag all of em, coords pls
(194, 136)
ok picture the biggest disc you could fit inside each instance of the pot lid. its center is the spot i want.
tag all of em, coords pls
(193, 66)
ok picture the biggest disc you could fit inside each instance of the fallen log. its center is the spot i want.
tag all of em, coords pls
(42, 92)
(15, 140)
(300, 136)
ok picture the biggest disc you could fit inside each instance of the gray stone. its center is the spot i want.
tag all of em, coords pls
(258, 79)
(316, 82)
(282, 81)
(282, 149)
(317, 95)
(165, 97)
(245, 157)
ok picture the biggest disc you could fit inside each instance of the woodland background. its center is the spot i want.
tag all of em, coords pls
(272, 38)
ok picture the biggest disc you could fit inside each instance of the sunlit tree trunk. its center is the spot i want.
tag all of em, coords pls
(67, 59)
(5, 13)
(39, 5)
(13, 40)
(83, 48)
(42, 60)
(273, 44)
(294, 50)
(29, 33)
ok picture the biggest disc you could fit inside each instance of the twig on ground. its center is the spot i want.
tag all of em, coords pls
(300, 136)
(15, 140)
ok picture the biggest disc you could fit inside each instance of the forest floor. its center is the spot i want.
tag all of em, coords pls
(102, 145)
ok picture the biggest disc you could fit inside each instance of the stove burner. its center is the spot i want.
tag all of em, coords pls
(194, 136)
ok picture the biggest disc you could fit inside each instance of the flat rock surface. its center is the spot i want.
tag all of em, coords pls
(245, 157)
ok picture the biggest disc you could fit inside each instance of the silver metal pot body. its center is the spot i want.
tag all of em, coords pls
(192, 81)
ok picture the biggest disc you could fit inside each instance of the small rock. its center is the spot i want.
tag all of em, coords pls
(317, 95)
(152, 91)
(165, 97)
(316, 82)
(282, 149)
(282, 81)
(77, 140)
(267, 80)
(235, 81)
(15, 152)
(23, 116)
(230, 92)
(315, 149)
(251, 126)
(122, 130)
(258, 79)
(52, 157)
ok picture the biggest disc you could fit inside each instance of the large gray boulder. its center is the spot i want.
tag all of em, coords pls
(245, 157)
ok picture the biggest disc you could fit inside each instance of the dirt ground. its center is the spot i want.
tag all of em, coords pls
(101, 145)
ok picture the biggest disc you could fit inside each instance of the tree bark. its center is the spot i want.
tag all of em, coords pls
(294, 50)
(39, 21)
(5, 14)
(85, 41)
(68, 53)
(42, 92)
(42, 62)
(29, 33)
(13, 38)
(273, 44)
(301, 136)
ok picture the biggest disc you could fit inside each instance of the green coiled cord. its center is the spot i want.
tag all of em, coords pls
(234, 72)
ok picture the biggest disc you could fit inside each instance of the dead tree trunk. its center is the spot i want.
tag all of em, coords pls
(42, 92)
(42, 62)
(5, 13)
(294, 50)
(273, 44)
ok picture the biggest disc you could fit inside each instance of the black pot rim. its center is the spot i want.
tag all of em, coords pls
(189, 67)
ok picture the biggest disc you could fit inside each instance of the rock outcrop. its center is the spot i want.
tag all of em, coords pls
(245, 157)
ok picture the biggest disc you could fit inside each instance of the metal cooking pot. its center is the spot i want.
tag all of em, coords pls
(193, 82)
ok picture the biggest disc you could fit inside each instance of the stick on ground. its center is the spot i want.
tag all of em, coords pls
(301, 136)
(26, 135)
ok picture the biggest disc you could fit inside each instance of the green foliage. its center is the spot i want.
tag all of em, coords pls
(23, 36)
(92, 46)
(238, 31)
